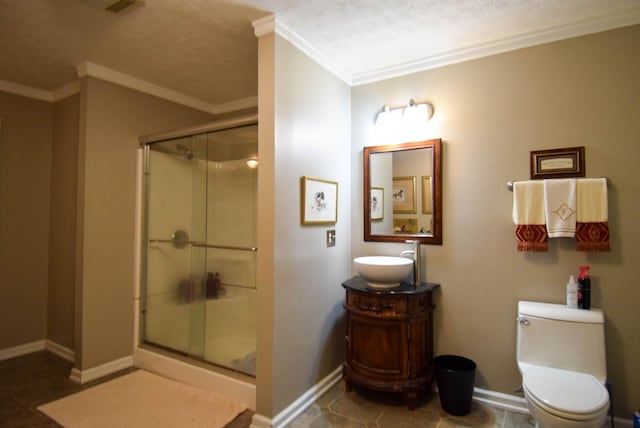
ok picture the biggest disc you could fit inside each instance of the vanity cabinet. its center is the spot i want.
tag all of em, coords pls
(389, 338)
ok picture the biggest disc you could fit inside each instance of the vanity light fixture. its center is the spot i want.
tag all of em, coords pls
(404, 117)
(252, 163)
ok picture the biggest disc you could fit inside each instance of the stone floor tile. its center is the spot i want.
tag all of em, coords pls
(518, 420)
(332, 420)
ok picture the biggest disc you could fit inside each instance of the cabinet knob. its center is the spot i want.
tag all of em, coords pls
(346, 339)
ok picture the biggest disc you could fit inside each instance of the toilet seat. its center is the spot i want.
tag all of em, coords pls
(564, 393)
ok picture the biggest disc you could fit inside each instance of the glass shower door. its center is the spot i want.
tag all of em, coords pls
(199, 284)
(173, 313)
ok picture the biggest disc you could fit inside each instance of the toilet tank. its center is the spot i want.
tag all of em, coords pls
(557, 336)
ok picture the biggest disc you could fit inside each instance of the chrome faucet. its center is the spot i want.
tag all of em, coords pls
(415, 255)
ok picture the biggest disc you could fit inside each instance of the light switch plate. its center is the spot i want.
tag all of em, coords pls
(331, 238)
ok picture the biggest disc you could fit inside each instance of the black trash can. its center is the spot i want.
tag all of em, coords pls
(455, 377)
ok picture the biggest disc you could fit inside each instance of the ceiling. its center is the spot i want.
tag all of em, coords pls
(207, 49)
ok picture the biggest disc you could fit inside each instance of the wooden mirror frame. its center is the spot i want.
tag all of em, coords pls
(436, 237)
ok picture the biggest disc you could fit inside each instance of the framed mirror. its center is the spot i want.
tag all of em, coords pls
(403, 192)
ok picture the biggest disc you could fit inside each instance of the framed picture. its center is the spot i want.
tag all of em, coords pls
(404, 195)
(427, 195)
(557, 163)
(405, 225)
(319, 201)
(377, 203)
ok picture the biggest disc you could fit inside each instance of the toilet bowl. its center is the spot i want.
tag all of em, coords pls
(560, 398)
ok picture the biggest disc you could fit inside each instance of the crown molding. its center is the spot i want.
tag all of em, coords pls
(497, 47)
(65, 91)
(264, 25)
(242, 104)
(25, 91)
(270, 24)
(99, 72)
(103, 73)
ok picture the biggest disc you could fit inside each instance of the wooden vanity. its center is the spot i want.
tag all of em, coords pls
(389, 338)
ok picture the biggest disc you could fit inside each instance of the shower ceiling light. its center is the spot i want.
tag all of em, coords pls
(252, 163)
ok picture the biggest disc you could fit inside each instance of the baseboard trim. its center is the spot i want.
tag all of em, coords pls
(259, 421)
(19, 350)
(60, 351)
(285, 417)
(84, 376)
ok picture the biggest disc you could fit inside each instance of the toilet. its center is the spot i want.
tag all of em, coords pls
(561, 356)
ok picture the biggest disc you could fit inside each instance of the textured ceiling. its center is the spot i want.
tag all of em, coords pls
(207, 49)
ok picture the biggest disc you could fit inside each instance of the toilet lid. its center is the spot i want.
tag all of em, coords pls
(565, 392)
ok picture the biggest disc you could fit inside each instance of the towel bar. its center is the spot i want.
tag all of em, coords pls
(203, 245)
(510, 183)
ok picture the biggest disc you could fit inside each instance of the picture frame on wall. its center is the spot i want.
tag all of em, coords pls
(404, 195)
(427, 195)
(318, 201)
(405, 225)
(377, 203)
(557, 163)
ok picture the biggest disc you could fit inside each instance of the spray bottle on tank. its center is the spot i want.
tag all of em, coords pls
(584, 288)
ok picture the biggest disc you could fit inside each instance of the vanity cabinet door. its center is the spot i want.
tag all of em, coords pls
(377, 348)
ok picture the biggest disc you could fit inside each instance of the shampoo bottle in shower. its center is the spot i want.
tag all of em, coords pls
(211, 288)
(584, 288)
(572, 293)
(217, 285)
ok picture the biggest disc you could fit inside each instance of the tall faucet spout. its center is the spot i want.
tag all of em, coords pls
(416, 260)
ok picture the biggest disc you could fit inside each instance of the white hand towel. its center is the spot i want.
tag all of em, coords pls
(529, 216)
(592, 228)
(592, 200)
(560, 207)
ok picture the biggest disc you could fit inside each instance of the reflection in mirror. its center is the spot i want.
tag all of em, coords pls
(403, 192)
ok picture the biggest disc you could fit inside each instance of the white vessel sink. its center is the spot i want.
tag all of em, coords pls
(383, 271)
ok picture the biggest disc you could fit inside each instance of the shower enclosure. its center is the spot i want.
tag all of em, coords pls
(198, 283)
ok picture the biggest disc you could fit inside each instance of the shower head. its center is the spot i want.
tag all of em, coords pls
(188, 153)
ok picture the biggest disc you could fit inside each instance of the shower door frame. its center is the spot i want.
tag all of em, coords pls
(145, 142)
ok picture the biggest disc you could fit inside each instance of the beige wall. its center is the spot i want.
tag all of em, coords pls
(25, 166)
(265, 227)
(112, 117)
(310, 112)
(64, 170)
(491, 113)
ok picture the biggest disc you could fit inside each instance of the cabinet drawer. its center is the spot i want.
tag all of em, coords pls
(378, 305)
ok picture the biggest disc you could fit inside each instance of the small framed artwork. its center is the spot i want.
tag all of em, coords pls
(405, 225)
(427, 195)
(377, 203)
(404, 195)
(557, 163)
(319, 201)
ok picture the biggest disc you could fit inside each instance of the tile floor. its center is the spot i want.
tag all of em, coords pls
(28, 381)
(363, 408)
(34, 379)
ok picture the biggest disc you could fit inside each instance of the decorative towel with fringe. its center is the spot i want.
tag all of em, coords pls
(592, 228)
(560, 207)
(529, 216)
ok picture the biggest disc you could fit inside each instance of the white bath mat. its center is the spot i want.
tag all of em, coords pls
(142, 399)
